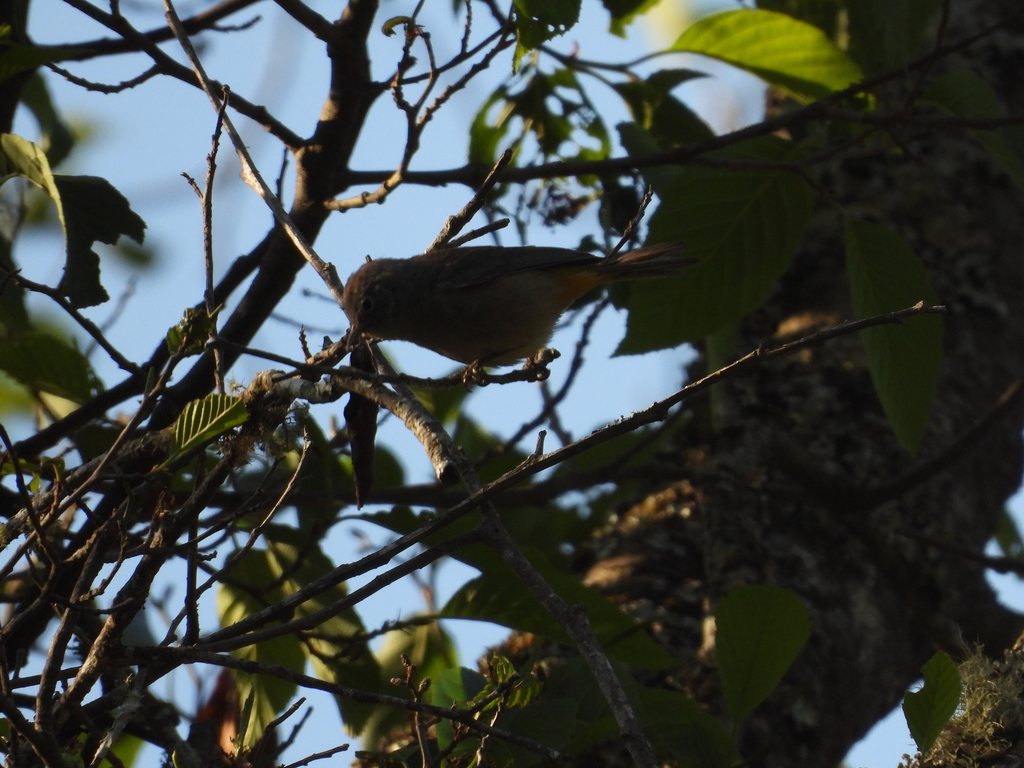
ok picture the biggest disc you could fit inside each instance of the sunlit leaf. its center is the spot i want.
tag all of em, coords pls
(791, 55)
(205, 419)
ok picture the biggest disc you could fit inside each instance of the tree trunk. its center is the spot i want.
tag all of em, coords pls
(786, 475)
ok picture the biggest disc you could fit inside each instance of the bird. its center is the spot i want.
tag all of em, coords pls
(487, 305)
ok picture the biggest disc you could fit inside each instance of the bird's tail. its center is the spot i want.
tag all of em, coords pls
(659, 260)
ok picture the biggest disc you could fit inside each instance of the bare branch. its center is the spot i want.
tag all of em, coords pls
(175, 656)
(250, 173)
(321, 28)
(103, 87)
(170, 67)
(85, 323)
(206, 19)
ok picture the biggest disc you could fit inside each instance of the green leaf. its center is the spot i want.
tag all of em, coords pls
(189, 336)
(904, 360)
(453, 688)
(669, 121)
(538, 21)
(963, 92)
(15, 58)
(126, 748)
(445, 405)
(674, 722)
(456, 687)
(791, 55)
(886, 34)
(827, 15)
(931, 708)
(430, 648)
(551, 721)
(484, 137)
(624, 12)
(44, 363)
(21, 157)
(476, 441)
(13, 315)
(89, 209)
(742, 225)
(253, 585)
(203, 420)
(498, 596)
(1008, 536)
(337, 650)
(58, 140)
(554, 13)
(760, 631)
(94, 211)
(14, 398)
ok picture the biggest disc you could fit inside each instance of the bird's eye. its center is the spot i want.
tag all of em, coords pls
(366, 304)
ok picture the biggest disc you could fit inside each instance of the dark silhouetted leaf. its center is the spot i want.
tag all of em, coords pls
(885, 276)
(57, 139)
(499, 597)
(760, 631)
(931, 708)
(742, 225)
(963, 92)
(93, 211)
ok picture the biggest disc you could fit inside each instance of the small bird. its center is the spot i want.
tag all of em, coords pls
(486, 304)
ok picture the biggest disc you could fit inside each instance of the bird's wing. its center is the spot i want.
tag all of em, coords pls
(464, 267)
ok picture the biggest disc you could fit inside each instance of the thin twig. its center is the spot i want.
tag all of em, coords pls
(250, 174)
(205, 19)
(85, 323)
(1003, 564)
(90, 85)
(321, 28)
(454, 224)
(137, 41)
(178, 655)
(631, 228)
(317, 756)
(207, 198)
(473, 234)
